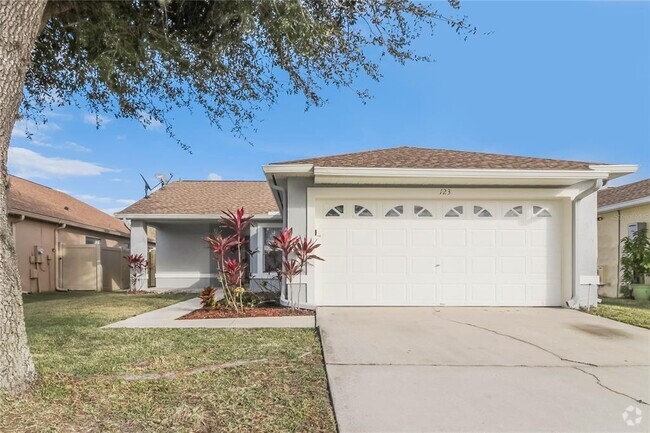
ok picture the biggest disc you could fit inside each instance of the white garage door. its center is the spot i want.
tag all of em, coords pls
(470, 252)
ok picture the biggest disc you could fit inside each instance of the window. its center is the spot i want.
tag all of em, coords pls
(362, 211)
(481, 212)
(454, 212)
(541, 212)
(515, 212)
(271, 260)
(395, 212)
(335, 211)
(420, 211)
(92, 241)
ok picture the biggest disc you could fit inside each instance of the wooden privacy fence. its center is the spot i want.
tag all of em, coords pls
(93, 267)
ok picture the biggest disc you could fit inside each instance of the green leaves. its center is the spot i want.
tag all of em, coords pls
(141, 59)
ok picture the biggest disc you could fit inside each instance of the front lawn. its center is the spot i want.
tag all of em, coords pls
(178, 380)
(630, 311)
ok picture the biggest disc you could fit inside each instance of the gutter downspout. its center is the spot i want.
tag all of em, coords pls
(20, 219)
(57, 258)
(574, 302)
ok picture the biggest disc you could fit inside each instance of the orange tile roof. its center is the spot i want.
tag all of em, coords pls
(623, 193)
(40, 200)
(207, 197)
(419, 157)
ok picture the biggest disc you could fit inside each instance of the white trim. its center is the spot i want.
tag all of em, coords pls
(615, 170)
(256, 217)
(260, 248)
(288, 169)
(410, 176)
(624, 205)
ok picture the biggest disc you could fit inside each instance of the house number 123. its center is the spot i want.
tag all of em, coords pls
(445, 191)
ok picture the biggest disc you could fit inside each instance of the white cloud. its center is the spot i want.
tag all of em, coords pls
(149, 121)
(38, 132)
(90, 197)
(96, 119)
(71, 145)
(214, 176)
(29, 164)
(117, 179)
(125, 201)
(121, 137)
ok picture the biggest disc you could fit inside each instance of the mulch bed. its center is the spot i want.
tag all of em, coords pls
(265, 311)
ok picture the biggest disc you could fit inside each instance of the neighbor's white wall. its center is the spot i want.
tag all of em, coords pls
(183, 258)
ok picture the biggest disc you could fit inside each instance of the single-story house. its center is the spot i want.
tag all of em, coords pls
(622, 210)
(400, 226)
(43, 219)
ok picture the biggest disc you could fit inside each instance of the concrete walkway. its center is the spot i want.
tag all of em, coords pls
(484, 370)
(166, 318)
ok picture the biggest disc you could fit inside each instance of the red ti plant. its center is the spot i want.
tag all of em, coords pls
(296, 254)
(231, 269)
(137, 267)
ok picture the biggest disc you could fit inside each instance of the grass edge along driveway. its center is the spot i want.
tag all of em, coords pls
(624, 310)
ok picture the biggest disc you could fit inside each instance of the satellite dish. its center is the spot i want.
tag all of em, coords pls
(162, 177)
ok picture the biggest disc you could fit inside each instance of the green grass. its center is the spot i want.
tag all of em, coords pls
(629, 311)
(78, 364)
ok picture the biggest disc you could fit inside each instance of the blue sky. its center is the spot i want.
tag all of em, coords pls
(550, 79)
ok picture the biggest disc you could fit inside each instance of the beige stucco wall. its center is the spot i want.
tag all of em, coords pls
(609, 241)
(30, 233)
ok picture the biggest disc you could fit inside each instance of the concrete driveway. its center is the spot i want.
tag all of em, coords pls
(484, 369)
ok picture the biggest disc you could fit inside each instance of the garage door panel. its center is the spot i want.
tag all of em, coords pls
(454, 237)
(423, 293)
(394, 294)
(423, 237)
(453, 294)
(423, 265)
(393, 238)
(481, 294)
(484, 265)
(411, 257)
(362, 265)
(360, 293)
(365, 238)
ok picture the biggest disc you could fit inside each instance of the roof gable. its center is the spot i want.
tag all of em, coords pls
(37, 199)
(424, 158)
(208, 197)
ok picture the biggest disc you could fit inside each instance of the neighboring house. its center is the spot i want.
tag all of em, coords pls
(400, 226)
(622, 211)
(44, 219)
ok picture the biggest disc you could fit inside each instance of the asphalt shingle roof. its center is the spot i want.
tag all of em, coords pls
(190, 197)
(418, 157)
(623, 193)
(27, 196)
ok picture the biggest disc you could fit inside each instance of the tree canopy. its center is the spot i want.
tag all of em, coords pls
(140, 59)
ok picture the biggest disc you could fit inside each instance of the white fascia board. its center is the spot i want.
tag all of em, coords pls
(455, 176)
(613, 171)
(288, 169)
(624, 205)
(185, 217)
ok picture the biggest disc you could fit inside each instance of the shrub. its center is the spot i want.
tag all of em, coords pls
(137, 267)
(635, 260)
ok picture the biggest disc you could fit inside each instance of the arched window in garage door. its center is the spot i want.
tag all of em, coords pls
(421, 211)
(454, 212)
(396, 211)
(336, 211)
(362, 211)
(541, 212)
(515, 212)
(481, 212)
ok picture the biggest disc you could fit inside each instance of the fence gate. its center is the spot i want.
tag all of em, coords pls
(93, 267)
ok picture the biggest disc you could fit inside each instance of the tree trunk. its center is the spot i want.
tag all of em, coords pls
(19, 26)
